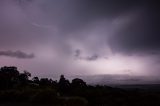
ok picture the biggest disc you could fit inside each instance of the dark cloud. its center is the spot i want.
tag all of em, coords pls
(17, 54)
(75, 16)
(79, 55)
(141, 35)
(92, 58)
(37, 17)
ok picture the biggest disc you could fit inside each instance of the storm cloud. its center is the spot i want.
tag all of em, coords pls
(142, 34)
(125, 32)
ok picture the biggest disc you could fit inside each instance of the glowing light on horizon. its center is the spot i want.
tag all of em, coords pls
(117, 64)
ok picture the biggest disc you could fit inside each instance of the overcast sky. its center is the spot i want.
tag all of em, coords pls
(81, 37)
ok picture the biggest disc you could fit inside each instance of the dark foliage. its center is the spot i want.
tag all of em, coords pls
(16, 88)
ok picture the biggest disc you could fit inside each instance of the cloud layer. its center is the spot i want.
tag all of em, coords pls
(58, 31)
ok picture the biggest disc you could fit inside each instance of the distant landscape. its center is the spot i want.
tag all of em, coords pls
(118, 79)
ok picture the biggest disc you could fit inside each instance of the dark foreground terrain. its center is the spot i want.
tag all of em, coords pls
(89, 96)
(17, 90)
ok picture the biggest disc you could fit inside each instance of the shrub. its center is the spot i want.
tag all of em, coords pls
(47, 96)
(76, 101)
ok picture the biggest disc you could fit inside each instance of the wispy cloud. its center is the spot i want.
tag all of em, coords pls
(17, 54)
(78, 55)
(92, 58)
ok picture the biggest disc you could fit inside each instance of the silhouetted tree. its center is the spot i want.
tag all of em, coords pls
(8, 76)
(24, 78)
(64, 85)
(35, 80)
(78, 83)
(45, 82)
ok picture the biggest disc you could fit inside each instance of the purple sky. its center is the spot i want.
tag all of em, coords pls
(80, 37)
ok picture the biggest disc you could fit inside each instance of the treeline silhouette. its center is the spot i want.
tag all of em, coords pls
(16, 88)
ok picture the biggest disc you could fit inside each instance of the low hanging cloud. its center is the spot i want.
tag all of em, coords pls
(92, 58)
(17, 54)
(78, 55)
